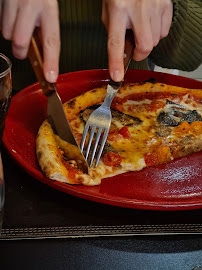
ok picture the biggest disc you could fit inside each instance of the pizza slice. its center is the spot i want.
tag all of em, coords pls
(152, 123)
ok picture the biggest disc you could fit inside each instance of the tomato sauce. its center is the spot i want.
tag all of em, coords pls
(72, 171)
(112, 159)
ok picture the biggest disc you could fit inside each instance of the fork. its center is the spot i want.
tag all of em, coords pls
(100, 119)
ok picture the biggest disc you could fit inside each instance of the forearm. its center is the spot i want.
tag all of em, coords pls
(182, 48)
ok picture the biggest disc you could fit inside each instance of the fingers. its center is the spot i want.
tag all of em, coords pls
(149, 20)
(156, 26)
(51, 42)
(166, 19)
(151, 25)
(115, 45)
(22, 31)
(8, 17)
(143, 37)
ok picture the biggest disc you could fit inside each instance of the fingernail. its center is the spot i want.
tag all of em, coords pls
(116, 76)
(51, 76)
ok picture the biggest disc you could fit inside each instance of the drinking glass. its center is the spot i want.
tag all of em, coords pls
(5, 98)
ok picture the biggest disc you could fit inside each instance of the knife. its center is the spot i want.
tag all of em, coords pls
(55, 111)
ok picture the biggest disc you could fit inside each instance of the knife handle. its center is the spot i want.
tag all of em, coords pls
(36, 58)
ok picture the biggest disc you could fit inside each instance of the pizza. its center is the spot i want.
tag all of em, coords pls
(152, 123)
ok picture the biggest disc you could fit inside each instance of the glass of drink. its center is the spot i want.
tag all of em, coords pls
(5, 98)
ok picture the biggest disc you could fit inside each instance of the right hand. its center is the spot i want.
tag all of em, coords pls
(18, 21)
(150, 21)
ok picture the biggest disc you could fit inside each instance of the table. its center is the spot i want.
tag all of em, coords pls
(46, 229)
(141, 253)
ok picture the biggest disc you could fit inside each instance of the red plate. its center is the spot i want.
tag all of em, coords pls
(173, 186)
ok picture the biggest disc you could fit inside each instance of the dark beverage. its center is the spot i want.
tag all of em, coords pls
(5, 98)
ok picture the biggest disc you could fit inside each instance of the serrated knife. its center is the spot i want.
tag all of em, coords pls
(55, 111)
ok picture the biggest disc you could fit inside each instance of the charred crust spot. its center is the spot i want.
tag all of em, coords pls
(141, 83)
(46, 171)
(151, 80)
(72, 103)
(94, 91)
(39, 155)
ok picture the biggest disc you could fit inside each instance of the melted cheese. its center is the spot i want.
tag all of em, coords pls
(143, 136)
(143, 139)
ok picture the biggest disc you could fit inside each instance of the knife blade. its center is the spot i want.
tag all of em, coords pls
(55, 111)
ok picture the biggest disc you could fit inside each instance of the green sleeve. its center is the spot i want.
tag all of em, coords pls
(182, 48)
(83, 37)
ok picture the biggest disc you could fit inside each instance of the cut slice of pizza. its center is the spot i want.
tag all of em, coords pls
(152, 123)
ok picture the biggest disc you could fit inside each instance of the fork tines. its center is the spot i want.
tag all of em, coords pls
(93, 146)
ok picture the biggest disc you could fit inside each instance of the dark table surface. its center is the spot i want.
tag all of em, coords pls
(141, 253)
(46, 229)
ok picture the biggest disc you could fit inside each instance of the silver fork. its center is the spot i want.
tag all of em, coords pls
(100, 119)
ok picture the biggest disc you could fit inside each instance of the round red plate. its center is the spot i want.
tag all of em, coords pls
(173, 186)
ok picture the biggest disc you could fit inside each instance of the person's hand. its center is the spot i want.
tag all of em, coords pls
(18, 21)
(150, 21)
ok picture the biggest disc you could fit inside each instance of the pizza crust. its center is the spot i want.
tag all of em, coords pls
(50, 160)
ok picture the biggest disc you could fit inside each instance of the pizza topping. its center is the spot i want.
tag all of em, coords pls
(125, 133)
(151, 96)
(117, 106)
(160, 155)
(125, 119)
(167, 120)
(71, 166)
(117, 116)
(196, 127)
(173, 114)
(108, 148)
(151, 159)
(153, 106)
(84, 114)
(114, 135)
(112, 159)
(191, 116)
(183, 128)
(162, 131)
(187, 145)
